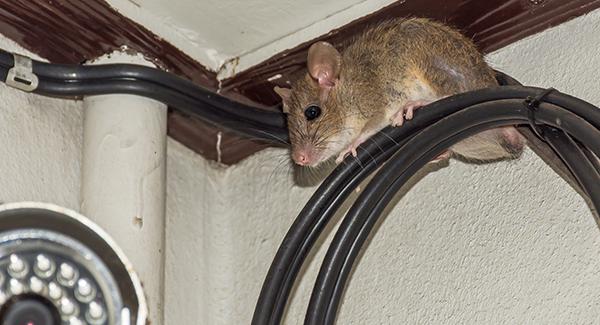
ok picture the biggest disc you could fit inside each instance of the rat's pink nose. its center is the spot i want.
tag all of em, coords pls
(303, 157)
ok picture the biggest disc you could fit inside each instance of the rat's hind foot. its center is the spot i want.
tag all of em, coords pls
(442, 157)
(407, 111)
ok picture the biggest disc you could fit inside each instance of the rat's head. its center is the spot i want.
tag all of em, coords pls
(313, 110)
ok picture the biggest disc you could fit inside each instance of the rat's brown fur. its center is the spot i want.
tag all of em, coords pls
(382, 69)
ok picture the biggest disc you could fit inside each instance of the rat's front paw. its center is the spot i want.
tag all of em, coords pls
(351, 150)
(407, 112)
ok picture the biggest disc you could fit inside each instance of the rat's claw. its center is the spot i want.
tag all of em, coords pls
(341, 157)
(351, 150)
(407, 111)
(398, 118)
(344, 153)
(442, 157)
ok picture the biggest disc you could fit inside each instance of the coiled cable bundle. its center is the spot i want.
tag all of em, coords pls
(569, 125)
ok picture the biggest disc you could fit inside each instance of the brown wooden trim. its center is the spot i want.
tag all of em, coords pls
(190, 131)
(75, 31)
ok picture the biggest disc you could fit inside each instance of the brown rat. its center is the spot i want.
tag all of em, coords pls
(381, 77)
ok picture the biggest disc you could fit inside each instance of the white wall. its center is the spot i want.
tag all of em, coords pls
(40, 145)
(501, 243)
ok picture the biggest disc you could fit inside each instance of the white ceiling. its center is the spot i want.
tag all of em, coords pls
(231, 35)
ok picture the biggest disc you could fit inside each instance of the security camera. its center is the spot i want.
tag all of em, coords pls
(58, 267)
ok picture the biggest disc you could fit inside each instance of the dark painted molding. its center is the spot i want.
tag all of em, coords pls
(75, 31)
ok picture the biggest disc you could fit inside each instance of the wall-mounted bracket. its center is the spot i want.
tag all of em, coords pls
(21, 75)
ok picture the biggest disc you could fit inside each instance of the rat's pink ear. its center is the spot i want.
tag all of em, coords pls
(285, 94)
(324, 63)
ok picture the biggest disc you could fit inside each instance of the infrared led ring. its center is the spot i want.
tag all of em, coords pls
(57, 267)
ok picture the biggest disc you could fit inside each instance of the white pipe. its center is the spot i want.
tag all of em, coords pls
(123, 179)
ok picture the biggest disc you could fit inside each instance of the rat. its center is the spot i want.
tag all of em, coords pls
(383, 76)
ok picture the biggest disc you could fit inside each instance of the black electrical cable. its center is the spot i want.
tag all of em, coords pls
(73, 80)
(130, 72)
(359, 221)
(333, 191)
(6, 60)
(576, 158)
(590, 156)
(182, 102)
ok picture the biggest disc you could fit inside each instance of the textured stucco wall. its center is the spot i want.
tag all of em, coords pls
(502, 243)
(40, 145)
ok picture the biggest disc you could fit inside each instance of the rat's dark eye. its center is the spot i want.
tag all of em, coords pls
(312, 112)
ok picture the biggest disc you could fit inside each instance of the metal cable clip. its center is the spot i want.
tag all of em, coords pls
(21, 75)
(532, 103)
